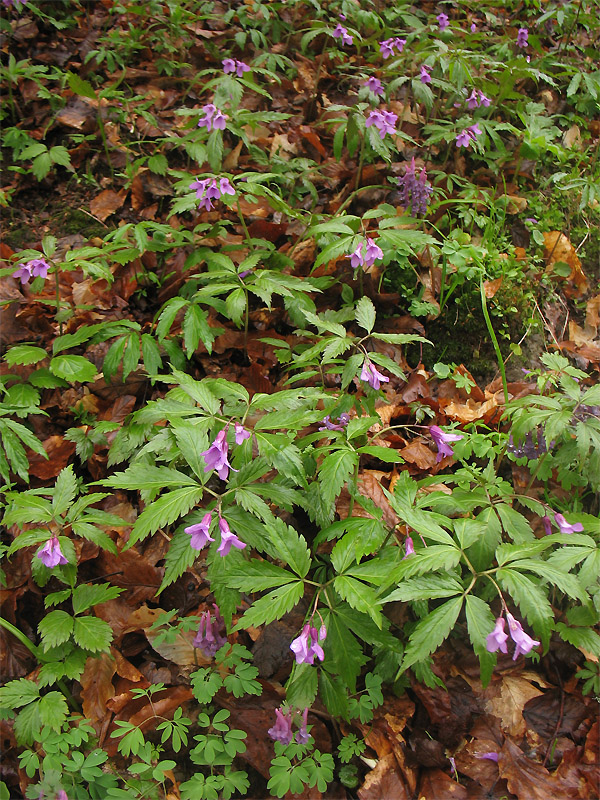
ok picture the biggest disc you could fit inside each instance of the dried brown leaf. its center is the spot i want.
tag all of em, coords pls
(506, 699)
(106, 203)
(385, 781)
(97, 686)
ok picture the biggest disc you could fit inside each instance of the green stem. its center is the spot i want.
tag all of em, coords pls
(361, 158)
(60, 325)
(490, 328)
(21, 637)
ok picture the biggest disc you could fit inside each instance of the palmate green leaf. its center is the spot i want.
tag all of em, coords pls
(92, 633)
(148, 477)
(164, 511)
(343, 654)
(584, 639)
(359, 596)
(257, 576)
(55, 628)
(288, 546)
(272, 606)
(334, 472)
(532, 601)
(18, 693)
(480, 623)
(205, 684)
(431, 631)
(65, 490)
(365, 313)
(87, 595)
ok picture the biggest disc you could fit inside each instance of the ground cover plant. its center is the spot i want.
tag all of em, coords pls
(300, 411)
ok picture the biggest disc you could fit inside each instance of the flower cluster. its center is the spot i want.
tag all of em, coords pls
(476, 99)
(214, 118)
(384, 121)
(533, 445)
(328, 425)
(200, 535)
(371, 375)
(563, 525)
(306, 646)
(442, 440)
(522, 36)
(374, 85)
(365, 254)
(51, 555)
(468, 135)
(386, 47)
(36, 268)
(209, 189)
(233, 65)
(342, 33)
(210, 638)
(496, 640)
(414, 192)
(443, 21)
(282, 730)
(425, 76)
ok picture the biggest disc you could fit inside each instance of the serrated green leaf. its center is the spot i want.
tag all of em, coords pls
(87, 595)
(180, 556)
(289, 546)
(148, 477)
(257, 576)
(584, 639)
(272, 606)
(562, 580)
(386, 454)
(65, 490)
(343, 654)
(334, 472)
(480, 623)
(27, 725)
(53, 710)
(205, 684)
(429, 587)
(55, 628)
(532, 601)
(80, 86)
(18, 693)
(333, 694)
(431, 631)
(359, 596)
(301, 689)
(24, 354)
(73, 368)
(92, 633)
(365, 313)
(164, 511)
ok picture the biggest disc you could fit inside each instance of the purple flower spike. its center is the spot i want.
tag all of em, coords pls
(302, 736)
(371, 375)
(51, 555)
(328, 425)
(524, 642)
(342, 33)
(497, 638)
(442, 440)
(409, 547)
(200, 532)
(209, 638)
(282, 730)
(228, 539)
(425, 76)
(241, 434)
(414, 192)
(443, 21)
(384, 121)
(565, 527)
(216, 456)
(522, 36)
(375, 86)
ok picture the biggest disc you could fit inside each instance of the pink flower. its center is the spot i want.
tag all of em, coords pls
(200, 532)
(497, 638)
(386, 47)
(483, 100)
(565, 527)
(208, 189)
(366, 254)
(409, 547)
(51, 555)
(216, 456)
(489, 756)
(547, 524)
(468, 135)
(306, 646)
(233, 65)
(340, 425)
(443, 21)
(302, 736)
(473, 27)
(282, 730)
(214, 118)
(209, 638)
(228, 539)
(524, 642)
(442, 439)
(374, 85)
(342, 33)
(384, 121)
(473, 100)
(36, 268)
(425, 76)
(371, 375)
(241, 433)
(522, 35)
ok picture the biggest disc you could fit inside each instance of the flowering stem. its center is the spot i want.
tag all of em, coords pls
(490, 328)
(247, 306)
(361, 158)
(60, 325)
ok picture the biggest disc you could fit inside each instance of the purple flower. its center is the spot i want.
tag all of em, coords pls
(489, 756)
(342, 33)
(374, 85)
(302, 736)
(443, 21)
(473, 100)
(522, 37)
(36, 268)
(200, 532)
(385, 121)
(442, 440)
(547, 524)
(483, 100)
(209, 638)
(216, 456)
(228, 539)
(328, 425)
(409, 547)
(497, 638)
(468, 135)
(524, 642)
(209, 189)
(386, 47)
(366, 254)
(282, 730)
(473, 27)
(51, 555)
(241, 433)
(306, 646)
(233, 65)
(425, 76)
(414, 191)
(565, 527)
(371, 375)
(214, 118)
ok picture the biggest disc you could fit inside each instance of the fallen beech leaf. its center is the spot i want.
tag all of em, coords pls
(106, 203)
(558, 248)
(419, 454)
(572, 138)
(506, 699)
(369, 486)
(491, 287)
(125, 668)
(384, 781)
(592, 312)
(97, 687)
(132, 571)
(163, 704)
(528, 779)
(59, 452)
(438, 785)
(471, 410)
